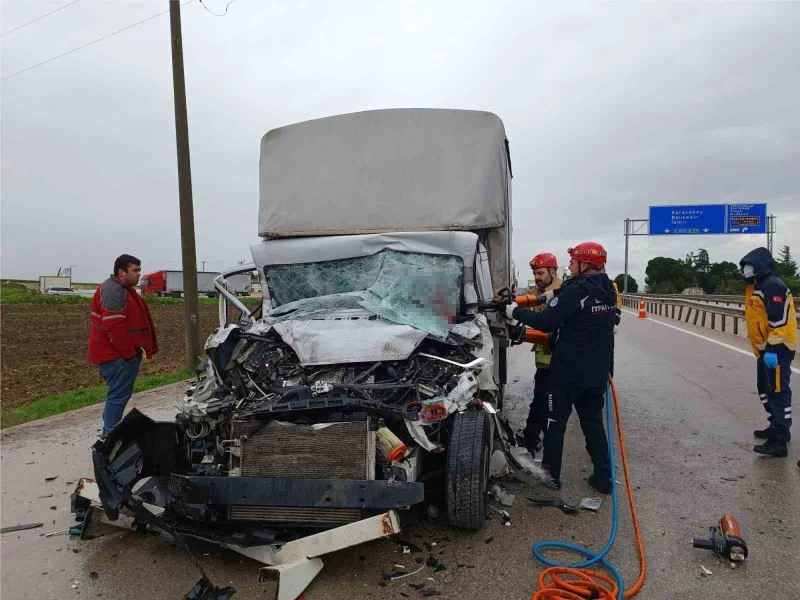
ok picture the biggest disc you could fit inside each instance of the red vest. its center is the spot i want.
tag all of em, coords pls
(119, 323)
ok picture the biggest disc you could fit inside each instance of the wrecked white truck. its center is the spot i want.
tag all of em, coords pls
(371, 377)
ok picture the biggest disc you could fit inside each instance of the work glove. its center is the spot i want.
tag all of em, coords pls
(510, 311)
(770, 360)
(547, 297)
(142, 354)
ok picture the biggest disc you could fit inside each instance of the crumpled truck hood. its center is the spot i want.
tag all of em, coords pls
(349, 336)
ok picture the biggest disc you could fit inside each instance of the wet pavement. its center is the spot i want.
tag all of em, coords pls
(688, 407)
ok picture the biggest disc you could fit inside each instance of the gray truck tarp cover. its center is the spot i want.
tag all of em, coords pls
(390, 170)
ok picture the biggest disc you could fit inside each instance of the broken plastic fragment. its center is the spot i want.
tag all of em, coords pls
(401, 575)
(705, 572)
(591, 504)
(502, 496)
(205, 590)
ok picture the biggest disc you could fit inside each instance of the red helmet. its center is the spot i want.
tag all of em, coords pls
(544, 260)
(589, 252)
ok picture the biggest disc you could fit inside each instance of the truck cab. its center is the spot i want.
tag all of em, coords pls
(371, 375)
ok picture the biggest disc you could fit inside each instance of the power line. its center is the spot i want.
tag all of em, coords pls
(105, 37)
(38, 18)
(213, 13)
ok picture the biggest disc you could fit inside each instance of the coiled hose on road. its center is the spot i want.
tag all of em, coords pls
(577, 581)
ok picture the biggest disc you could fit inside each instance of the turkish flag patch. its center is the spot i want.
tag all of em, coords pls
(777, 298)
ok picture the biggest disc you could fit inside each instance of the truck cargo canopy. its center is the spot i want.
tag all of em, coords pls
(385, 170)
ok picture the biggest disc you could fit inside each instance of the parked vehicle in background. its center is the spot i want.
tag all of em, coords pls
(170, 283)
(61, 291)
(54, 281)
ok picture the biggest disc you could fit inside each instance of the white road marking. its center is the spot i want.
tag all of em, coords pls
(702, 337)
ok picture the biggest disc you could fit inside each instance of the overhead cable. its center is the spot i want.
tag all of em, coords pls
(105, 37)
(209, 11)
(39, 18)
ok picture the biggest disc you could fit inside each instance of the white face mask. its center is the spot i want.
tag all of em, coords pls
(748, 271)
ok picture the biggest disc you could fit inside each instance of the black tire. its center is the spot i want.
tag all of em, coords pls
(467, 473)
(157, 294)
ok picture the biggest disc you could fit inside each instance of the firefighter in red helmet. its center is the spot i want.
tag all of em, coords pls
(545, 275)
(582, 316)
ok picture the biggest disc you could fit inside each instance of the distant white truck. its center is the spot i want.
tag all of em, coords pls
(54, 281)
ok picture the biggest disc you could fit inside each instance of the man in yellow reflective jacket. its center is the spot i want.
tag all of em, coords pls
(545, 276)
(772, 330)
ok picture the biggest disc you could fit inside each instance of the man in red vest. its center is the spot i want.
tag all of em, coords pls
(121, 332)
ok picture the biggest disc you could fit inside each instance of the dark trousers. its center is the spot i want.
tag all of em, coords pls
(537, 414)
(776, 395)
(588, 403)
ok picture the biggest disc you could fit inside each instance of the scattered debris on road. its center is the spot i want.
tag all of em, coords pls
(567, 509)
(20, 527)
(705, 572)
(502, 496)
(205, 590)
(592, 504)
(504, 515)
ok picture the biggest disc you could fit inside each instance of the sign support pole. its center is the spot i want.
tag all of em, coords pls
(631, 229)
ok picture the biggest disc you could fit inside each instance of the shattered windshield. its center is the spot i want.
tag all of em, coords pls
(420, 290)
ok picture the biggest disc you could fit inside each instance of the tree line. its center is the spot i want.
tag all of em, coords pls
(696, 271)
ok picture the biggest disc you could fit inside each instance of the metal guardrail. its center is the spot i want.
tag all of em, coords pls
(685, 308)
(707, 298)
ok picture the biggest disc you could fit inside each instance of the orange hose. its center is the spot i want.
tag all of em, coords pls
(589, 583)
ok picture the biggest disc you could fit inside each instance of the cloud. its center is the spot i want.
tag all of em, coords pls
(609, 108)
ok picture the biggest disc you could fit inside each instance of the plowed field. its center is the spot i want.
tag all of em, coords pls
(43, 347)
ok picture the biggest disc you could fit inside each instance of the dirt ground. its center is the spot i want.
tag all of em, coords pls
(43, 349)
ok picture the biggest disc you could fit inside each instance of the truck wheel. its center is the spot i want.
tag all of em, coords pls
(468, 469)
(157, 294)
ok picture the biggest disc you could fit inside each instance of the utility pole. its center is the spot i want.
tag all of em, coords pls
(191, 316)
(204, 264)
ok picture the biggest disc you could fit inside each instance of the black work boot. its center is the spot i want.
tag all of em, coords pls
(762, 434)
(772, 447)
(601, 485)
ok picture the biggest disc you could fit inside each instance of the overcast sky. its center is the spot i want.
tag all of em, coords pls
(609, 108)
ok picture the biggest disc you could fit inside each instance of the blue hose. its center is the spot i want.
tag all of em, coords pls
(592, 559)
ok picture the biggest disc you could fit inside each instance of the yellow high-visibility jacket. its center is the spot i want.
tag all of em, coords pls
(543, 354)
(770, 316)
(618, 307)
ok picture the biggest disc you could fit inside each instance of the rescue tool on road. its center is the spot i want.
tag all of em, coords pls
(725, 539)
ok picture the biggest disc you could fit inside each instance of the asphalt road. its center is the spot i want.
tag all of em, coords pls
(688, 407)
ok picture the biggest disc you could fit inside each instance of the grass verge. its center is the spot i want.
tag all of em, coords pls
(80, 397)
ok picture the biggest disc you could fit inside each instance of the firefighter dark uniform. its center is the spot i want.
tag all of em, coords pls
(772, 330)
(583, 317)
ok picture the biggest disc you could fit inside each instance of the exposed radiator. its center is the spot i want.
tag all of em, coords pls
(327, 451)
(302, 515)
